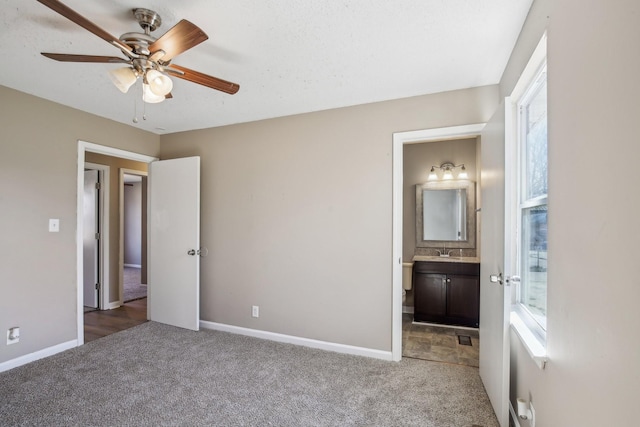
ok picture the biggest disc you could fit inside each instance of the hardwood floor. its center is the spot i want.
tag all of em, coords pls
(98, 324)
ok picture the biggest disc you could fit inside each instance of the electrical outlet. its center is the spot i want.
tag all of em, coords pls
(13, 335)
(533, 415)
(255, 311)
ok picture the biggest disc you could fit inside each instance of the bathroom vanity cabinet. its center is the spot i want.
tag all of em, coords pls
(447, 293)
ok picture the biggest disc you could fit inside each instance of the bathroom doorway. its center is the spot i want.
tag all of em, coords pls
(402, 204)
(438, 342)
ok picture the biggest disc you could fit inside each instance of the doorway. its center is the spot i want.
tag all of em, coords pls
(133, 234)
(110, 295)
(399, 140)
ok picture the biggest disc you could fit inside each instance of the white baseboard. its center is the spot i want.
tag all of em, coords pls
(514, 416)
(133, 265)
(306, 342)
(115, 304)
(32, 357)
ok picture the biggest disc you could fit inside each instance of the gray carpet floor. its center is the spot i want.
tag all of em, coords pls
(132, 288)
(158, 375)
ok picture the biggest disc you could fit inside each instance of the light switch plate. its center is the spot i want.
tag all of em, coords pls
(54, 225)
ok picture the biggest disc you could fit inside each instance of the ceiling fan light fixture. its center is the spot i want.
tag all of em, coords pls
(149, 97)
(123, 78)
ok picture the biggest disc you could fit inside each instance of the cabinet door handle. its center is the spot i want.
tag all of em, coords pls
(448, 280)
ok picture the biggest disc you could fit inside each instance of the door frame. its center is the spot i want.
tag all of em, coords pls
(103, 229)
(121, 173)
(83, 147)
(399, 140)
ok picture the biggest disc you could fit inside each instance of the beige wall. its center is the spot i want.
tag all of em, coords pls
(296, 213)
(38, 181)
(115, 164)
(417, 162)
(593, 376)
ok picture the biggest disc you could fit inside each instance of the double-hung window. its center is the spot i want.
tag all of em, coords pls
(532, 211)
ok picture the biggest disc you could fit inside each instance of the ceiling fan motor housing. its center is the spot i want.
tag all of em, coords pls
(138, 42)
(148, 19)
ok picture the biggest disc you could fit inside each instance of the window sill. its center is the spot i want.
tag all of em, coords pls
(534, 346)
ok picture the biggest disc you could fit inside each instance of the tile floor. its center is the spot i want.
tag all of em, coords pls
(440, 344)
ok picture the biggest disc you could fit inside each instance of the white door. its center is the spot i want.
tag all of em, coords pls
(494, 296)
(174, 241)
(89, 241)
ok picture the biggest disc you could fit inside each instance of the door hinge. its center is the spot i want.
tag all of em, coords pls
(97, 236)
(97, 286)
(97, 186)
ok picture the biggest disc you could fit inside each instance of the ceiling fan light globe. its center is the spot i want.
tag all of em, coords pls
(123, 78)
(159, 84)
(149, 97)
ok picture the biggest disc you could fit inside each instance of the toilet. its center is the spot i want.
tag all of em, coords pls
(407, 278)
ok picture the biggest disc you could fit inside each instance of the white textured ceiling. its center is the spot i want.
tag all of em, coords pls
(288, 56)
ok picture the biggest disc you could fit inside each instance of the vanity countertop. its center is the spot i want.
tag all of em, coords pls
(473, 260)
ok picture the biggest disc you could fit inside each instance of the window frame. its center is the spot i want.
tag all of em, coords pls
(530, 320)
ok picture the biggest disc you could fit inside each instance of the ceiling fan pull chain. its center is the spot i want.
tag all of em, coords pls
(144, 111)
(135, 109)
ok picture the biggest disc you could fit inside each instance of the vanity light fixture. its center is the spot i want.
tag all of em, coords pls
(447, 174)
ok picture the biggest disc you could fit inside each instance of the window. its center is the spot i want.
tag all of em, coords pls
(532, 211)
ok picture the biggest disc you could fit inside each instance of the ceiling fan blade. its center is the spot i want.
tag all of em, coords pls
(202, 79)
(64, 57)
(74, 16)
(181, 37)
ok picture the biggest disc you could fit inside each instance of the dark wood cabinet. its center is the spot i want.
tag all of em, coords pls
(447, 293)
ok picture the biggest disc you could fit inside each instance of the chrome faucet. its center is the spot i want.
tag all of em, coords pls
(444, 253)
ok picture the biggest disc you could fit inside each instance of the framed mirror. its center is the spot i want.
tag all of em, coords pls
(445, 214)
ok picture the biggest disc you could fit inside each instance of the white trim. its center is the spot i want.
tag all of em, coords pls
(115, 152)
(122, 172)
(514, 416)
(305, 342)
(537, 351)
(103, 279)
(532, 68)
(40, 354)
(399, 139)
(84, 146)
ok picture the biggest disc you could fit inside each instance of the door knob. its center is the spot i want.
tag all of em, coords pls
(496, 278)
(191, 252)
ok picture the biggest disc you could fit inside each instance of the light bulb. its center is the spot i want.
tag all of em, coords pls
(159, 84)
(123, 78)
(463, 173)
(447, 174)
(432, 175)
(150, 97)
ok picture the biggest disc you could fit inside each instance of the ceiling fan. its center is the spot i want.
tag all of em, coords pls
(147, 57)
